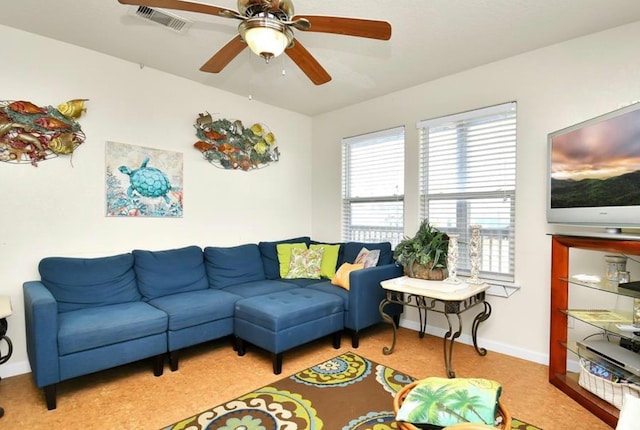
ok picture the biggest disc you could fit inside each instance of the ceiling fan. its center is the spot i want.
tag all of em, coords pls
(267, 27)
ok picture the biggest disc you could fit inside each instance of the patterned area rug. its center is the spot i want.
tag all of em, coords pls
(348, 392)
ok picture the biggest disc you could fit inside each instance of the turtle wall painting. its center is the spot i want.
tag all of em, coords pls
(143, 182)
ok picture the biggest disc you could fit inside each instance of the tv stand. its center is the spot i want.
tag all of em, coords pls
(560, 280)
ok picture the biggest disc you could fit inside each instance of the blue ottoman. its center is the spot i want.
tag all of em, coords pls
(280, 321)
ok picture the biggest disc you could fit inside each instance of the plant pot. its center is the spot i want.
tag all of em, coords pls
(422, 271)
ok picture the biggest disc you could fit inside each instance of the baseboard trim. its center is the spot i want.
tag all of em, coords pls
(502, 348)
(14, 369)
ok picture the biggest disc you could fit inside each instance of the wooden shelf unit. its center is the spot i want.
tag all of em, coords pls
(558, 376)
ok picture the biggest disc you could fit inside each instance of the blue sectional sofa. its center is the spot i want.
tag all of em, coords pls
(90, 314)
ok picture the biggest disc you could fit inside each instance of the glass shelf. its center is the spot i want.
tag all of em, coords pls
(607, 286)
(606, 320)
(587, 355)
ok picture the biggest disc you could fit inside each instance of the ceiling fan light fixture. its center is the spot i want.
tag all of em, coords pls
(266, 37)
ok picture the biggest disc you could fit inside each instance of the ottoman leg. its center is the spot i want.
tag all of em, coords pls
(337, 338)
(277, 363)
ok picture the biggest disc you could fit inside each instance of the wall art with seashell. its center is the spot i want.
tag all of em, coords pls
(228, 144)
(30, 133)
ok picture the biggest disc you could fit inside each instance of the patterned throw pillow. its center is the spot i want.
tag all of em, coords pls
(368, 258)
(305, 263)
(444, 402)
(284, 256)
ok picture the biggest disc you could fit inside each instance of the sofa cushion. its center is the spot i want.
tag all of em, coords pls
(329, 258)
(327, 287)
(269, 254)
(259, 288)
(352, 249)
(85, 329)
(162, 273)
(233, 265)
(303, 282)
(79, 283)
(196, 307)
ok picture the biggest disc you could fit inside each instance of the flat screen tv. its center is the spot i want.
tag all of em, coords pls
(594, 172)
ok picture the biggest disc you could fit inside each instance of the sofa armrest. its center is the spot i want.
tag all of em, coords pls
(41, 324)
(366, 293)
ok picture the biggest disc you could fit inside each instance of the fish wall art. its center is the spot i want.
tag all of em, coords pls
(228, 144)
(30, 133)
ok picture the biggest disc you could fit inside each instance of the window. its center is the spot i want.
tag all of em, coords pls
(373, 187)
(468, 176)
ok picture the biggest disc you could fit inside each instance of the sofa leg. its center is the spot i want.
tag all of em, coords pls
(240, 346)
(158, 365)
(355, 339)
(234, 343)
(174, 356)
(337, 339)
(50, 396)
(277, 363)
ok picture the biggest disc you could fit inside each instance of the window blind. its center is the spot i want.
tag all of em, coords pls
(468, 176)
(373, 186)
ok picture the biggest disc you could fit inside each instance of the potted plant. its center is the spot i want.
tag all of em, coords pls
(425, 254)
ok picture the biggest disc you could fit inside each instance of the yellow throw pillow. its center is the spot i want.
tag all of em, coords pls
(329, 259)
(342, 275)
(284, 255)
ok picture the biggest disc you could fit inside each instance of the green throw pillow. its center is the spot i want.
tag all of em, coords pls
(284, 255)
(329, 259)
(305, 263)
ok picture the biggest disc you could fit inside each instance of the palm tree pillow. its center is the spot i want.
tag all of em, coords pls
(443, 402)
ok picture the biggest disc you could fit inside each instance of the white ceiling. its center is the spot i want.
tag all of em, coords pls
(431, 39)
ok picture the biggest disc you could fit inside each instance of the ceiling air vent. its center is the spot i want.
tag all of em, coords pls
(166, 19)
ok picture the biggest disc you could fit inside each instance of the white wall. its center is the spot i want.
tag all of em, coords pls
(554, 87)
(57, 209)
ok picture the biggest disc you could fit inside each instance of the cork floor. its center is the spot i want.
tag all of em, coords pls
(130, 397)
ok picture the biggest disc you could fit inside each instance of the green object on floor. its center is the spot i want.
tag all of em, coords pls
(347, 392)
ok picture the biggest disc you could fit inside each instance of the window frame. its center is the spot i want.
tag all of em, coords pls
(502, 186)
(379, 233)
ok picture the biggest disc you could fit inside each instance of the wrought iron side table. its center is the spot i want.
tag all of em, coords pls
(5, 311)
(437, 296)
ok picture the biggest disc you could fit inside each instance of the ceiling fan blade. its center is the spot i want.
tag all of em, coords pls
(224, 56)
(307, 63)
(348, 26)
(182, 5)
